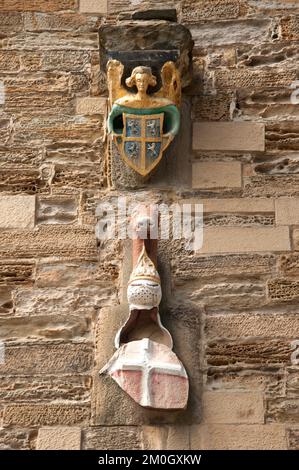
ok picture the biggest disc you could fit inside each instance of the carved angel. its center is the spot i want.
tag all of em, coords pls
(152, 119)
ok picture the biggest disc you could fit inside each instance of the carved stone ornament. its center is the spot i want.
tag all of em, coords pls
(144, 364)
(141, 124)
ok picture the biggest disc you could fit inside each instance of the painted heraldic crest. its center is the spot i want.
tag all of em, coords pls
(143, 125)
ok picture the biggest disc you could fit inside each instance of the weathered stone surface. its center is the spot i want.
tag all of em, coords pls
(69, 61)
(77, 274)
(16, 439)
(112, 438)
(11, 22)
(271, 186)
(50, 326)
(239, 437)
(56, 210)
(59, 438)
(45, 415)
(62, 300)
(47, 242)
(282, 410)
(283, 136)
(233, 136)
(209, 107)
(259, 353)
(166, 437)
(14, 272)
(22, 180)
(194, 10)
(290, 28)
(44, 388)
(9, 61)
(17, 211)
(190, 267)
(6, 303)
(283, 289)
(244, 78)
(206, 175)
(245, 239)
(293, 439)
(224, 296)
(252, 325)
(47, 358)
(233, 407)
(289, 264)
(296, 239)
(231, 32)
(40, 5)
(128, 36)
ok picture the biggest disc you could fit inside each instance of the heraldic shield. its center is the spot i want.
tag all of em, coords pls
(142, 142)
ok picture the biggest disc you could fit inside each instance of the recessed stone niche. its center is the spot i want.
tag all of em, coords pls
(151, 41)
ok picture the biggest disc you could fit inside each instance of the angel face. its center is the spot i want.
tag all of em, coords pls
(142, 81)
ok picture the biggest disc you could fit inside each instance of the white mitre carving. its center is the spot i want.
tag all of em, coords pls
(144, 288)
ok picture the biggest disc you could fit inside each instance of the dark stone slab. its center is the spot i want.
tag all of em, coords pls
(169, 14)
(147, 43)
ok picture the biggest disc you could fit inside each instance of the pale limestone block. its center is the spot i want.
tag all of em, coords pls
(238, 437)
(233, 407)
(209, 175)
(245, 239)
(17, 211)
(59, 438)
(91, 105)
(93, 6)
(287, 211)
(233, 136)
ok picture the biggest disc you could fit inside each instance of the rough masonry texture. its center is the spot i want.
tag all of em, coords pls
(231, 307)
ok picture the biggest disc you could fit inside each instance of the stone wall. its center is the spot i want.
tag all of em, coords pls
(236, 300)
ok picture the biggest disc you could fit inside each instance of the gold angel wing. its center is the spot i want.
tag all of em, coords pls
(115, 70)
(171, 83)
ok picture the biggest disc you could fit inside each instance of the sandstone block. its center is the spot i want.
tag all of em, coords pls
(233, 407)
(48, 241)
(287, 211)
(245, 239)
(10, 21)
(283, 410)
(17, 211)
(239, 437)
(233, 205)
(194, 10)
(246, 353)
(91, 105)
(112, 438)
(253, 79)
(233, 136)
(283, 289)
(232, 32)
(59, 438)
(293, 438)
(45, 415)
(15, 439)
(207, 175)
(166, 437)
(296, 239)
(56, 210)
(9, 61)
(93, 6)
(290, 28)
(289, 264)
(36, 389)
(40, 5)
(252, 325)
(47, 358)
(16, 272)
